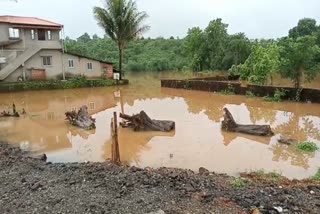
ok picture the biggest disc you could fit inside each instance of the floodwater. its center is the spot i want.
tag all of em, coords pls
(196, 142)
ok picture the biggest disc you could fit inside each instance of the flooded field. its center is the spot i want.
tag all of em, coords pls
(196, 142)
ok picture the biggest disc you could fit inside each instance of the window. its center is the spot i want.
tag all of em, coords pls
(49, 35)
(47, 60)
(33, 34)
(70, 62)
(14, 33)
(89, 66)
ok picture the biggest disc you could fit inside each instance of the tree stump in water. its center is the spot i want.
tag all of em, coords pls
(8, 114)
(229, 124)
(81, 119)
(142, 122)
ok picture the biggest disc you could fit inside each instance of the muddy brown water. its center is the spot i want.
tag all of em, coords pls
(196, 142)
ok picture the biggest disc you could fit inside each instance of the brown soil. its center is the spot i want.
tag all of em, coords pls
(29, 185)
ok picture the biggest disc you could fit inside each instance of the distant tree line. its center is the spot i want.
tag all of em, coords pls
(143, 54)
(296, 56)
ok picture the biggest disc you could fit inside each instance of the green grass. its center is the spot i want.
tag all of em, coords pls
(307, 146)
(228, 91)
(316, 177)
(250, 94)
(239, 183)
(79, 82)
(277, 97)
(274, 176)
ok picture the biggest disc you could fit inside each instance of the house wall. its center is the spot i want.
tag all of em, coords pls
(27, 41)
(80, 66)
(60, 61)
(4, 32)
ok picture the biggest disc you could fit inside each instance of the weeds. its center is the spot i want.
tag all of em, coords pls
(316, 177)
(238, 183)
(274, 176)
(250, 94)
(228, 91)
(277, 97)
(307, 146)
(78, 82)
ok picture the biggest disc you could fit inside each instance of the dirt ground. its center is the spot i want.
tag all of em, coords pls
(29, 185)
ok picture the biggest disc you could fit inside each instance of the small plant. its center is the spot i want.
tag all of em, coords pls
(250, 94)
(316, 177)
(274, 176)
(277, 97)
(307, 146)
(228, 91)
(238, 183)
(187, 86)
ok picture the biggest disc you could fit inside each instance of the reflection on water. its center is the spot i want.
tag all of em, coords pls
(197, 140)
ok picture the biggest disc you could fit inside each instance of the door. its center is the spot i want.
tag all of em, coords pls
(41, 34)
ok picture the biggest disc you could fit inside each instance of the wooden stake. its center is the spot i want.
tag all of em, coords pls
(115, 153)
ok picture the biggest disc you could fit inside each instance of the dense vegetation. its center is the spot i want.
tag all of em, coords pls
(296, 56)
(75, 82)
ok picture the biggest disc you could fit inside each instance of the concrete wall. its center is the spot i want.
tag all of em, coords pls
(80, 66)
(25, 36)
(4, 32)
(60, 61)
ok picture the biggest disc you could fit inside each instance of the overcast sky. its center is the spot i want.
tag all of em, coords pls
(256, 18)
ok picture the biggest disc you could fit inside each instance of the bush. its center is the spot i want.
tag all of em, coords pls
(228, 91)
(316, 177)
(238, 183)
(277, 97)
(307, 146)
(250, 94)
(77, 82)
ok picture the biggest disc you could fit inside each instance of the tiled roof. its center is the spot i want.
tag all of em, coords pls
(33, 21)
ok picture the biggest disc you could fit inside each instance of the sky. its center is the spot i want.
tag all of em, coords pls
(256, 18)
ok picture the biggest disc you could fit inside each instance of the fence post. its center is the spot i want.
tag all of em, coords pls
(115, 153)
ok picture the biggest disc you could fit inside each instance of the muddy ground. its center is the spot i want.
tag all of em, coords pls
(29, 185)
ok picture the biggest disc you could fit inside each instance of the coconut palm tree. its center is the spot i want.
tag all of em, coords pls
(121, 21)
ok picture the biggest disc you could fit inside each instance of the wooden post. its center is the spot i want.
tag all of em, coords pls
(115, 153)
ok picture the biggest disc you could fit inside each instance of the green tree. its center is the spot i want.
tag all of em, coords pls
(305, 27)
(84, 38)
(194, 47)
(215, 38)
(299, 59)
(260, 65)
(238, 48)
(122, 22)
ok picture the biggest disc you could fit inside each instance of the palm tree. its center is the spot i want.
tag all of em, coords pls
(122, 22)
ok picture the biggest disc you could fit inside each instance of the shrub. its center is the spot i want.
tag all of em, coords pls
(250, 94)
(228, 91)
(277, 97)
(238, 183)
(77, 82)
(307, 146)
(316, 177)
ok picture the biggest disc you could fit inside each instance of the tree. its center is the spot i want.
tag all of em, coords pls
(122, 22)
(305, 27)
(215, 37)
(194, 47)
(260, 65)
(84, 38)
(298, 59)
(238, 48)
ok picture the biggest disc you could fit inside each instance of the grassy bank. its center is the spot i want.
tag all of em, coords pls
(79, 82)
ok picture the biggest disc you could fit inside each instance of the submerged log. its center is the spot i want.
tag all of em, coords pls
(142, 122)
(81, 119)
(286, 140)
(8, 114)
(229, 124)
